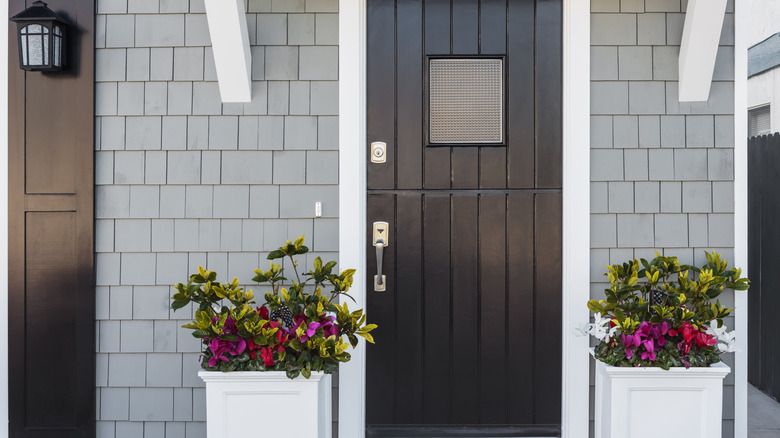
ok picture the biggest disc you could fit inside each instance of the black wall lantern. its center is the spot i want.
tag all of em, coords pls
(41, 38)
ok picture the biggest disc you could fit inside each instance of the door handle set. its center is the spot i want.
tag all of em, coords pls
(381, 241)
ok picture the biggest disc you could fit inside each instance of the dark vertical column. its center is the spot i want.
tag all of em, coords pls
(410, 76)
(437, 42)
(492, 287)
(520, 88)
(409, 303)
(51, 249)
(465, 310)
(547, 326)
(519, 307)
(381, 359)
(437, 383)
(549, 94)
(380, 91)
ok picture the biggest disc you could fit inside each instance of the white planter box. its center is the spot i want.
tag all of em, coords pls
(651, 402)
(267, 403)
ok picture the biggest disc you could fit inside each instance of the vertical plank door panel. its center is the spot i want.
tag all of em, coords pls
(520, 88)
(437, 385)
(409, 302)
(492, 291)
(465, 310)
(380, 360)
(380, 75)
(437, 31)
(547, 324)
(549, 94)
(520, 308)
(409, 95)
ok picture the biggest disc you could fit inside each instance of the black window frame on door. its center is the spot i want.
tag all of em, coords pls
(427, 102)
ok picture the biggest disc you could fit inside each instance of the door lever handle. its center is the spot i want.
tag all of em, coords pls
(381, 233)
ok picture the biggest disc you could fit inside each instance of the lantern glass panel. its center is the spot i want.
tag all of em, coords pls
(23, 42)
(35, 44)
(57, 46)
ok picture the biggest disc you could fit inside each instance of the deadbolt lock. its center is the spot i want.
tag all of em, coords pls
(378, 152)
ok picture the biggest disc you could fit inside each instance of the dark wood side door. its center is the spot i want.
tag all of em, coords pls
(469, 332)
(50, 243)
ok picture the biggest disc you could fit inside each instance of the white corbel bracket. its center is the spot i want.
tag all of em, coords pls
(230, 44)
(699, 48)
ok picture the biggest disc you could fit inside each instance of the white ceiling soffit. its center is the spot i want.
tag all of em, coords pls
(699, 48)
(230, 44)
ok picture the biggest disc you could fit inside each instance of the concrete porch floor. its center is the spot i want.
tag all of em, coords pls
(763, 415)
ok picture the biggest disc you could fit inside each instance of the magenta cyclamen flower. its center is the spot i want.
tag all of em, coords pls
(330, 329)
(649, 337)
(220, 347)
(630, 341)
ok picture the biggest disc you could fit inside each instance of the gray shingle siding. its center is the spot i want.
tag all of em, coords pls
(183, 180)
(662, 171)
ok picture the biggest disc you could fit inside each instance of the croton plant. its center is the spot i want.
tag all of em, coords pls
(663, 314)
(298, 329)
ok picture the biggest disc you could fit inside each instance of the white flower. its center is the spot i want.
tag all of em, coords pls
(599, 329)
(727, 342)
(582, 330)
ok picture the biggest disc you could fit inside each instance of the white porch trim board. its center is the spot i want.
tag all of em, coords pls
(699, 48)
(741, 32)
(576, 206)
(230, 44)
(352, 203)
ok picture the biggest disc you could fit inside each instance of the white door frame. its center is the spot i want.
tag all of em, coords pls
(576, 207)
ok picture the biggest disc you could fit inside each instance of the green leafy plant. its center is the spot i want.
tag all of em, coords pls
(664, 314)
(292, 331)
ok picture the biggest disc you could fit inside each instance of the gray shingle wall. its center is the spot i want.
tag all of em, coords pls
(662, 171)
(184, 180)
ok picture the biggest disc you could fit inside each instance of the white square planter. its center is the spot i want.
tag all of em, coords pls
(267, 403)
(651, 402)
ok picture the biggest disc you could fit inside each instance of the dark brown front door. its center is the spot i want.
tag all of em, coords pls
(469, 332)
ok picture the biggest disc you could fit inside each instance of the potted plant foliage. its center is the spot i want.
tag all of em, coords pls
(272, 361)
(661, 333)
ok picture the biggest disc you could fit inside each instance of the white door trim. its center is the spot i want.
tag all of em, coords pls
(352, 203)
(741, 23)
(576, 217)
(576, 207)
